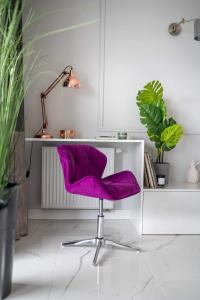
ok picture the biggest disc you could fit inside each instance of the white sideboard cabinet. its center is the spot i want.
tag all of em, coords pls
(129, 155)
(171, 210)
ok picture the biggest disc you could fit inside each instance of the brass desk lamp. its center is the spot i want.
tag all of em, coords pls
(72, 82)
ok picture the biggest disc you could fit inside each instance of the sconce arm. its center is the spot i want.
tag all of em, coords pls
(183, 20)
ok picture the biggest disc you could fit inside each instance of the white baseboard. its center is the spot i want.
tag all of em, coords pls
(81, 214)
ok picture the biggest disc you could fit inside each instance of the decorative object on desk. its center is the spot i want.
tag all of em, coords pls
(71, 81)
(175, 28)
(161, 180)
(163, 131)
(150, 179)
(122, 135)
(67, 134)
(193, 172)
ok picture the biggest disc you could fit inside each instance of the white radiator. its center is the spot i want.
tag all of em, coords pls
(54, 194)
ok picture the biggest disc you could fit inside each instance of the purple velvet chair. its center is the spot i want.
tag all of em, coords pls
(83, 167)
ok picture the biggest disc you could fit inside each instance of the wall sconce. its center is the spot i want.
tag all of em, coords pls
(70, 81)
(175, 28)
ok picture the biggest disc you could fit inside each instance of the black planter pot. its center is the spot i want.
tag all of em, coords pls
(7, 241)
(3, 220)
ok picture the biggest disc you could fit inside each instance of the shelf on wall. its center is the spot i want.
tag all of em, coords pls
(176, 186)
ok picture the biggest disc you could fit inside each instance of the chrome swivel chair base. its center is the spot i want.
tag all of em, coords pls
(99, 240)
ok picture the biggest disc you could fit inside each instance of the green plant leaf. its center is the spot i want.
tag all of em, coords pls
(151, 135)
(158, 144)
(159, 129)
(152, 93)
(171, 121)
(171, 136)
(165, 148)
(150, 116)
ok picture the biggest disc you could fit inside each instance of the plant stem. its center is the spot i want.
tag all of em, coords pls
(162, 156)
(158, 156)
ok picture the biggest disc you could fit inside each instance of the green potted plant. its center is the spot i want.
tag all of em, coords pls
(11, 97)
(163, 131)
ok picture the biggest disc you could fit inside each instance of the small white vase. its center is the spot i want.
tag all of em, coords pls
(193, 173)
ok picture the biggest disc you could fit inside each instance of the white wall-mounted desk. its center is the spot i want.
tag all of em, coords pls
(130, 156)
(172, 210)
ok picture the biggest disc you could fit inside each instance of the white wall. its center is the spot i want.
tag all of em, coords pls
(138, 49)
(80, 47)
(135, 49)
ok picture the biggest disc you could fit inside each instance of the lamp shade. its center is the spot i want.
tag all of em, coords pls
(197, 30)
(71, 81)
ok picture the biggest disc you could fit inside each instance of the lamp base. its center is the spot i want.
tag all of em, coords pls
(43, 134)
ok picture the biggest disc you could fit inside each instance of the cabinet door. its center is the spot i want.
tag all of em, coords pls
(171, 212)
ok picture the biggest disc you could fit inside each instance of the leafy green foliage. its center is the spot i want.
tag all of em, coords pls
(171, 136)
(152, 94)
(150, 115)
(165, 133)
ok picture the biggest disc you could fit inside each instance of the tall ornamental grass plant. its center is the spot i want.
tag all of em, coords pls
(12, 90)
(12, 70)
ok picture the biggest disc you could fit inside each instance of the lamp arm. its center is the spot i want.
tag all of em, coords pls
(44, 117)
(42, 132)
(48, 90)
(57, 80)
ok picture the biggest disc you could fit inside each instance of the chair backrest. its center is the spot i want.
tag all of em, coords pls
(79, 161)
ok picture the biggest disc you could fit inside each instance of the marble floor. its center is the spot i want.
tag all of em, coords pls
(168, 268)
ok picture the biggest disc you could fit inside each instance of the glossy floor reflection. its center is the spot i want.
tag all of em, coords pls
(169, 267)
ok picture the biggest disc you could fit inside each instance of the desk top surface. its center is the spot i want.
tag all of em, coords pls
(88, 140)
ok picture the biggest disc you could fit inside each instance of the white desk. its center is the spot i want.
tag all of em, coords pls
(172, 210)
(131, 158)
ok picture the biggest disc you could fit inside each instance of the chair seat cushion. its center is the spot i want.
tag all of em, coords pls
(114, 187)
